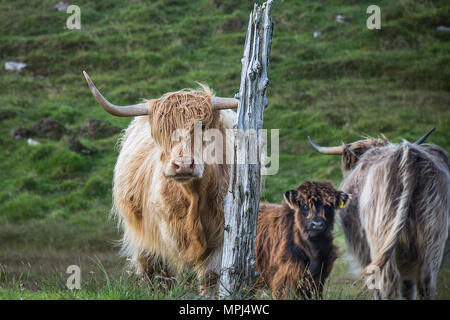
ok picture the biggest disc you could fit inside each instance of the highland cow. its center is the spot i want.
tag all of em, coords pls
(169, 205)
(398, 220)
(294, 242)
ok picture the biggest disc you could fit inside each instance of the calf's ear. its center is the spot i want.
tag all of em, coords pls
(289, 197)
(342, 199)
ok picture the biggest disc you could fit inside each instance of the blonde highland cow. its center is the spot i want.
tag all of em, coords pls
(169, 205)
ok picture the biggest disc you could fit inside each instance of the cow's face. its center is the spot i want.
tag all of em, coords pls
(172, 119)
(183, 161)
(314, 204)
(178, 125)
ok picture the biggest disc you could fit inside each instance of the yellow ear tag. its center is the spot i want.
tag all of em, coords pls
(342, 205)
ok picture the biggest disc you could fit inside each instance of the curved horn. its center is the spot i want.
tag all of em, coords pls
(422, 139)
(326, 150)
(224, 103)
(140, 109)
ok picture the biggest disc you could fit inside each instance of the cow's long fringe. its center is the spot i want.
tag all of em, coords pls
(179, 110)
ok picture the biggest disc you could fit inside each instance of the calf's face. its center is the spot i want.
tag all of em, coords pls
(313, 204)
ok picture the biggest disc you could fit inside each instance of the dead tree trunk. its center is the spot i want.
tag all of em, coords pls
(242, 200)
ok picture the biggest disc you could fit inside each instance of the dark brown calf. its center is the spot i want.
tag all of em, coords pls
(294, 241)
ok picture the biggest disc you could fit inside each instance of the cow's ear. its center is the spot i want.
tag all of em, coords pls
(289, 197)
(342, 199)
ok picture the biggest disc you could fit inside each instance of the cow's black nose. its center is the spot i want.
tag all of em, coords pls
(317, 224)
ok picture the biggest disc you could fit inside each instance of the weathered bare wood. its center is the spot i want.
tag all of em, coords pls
(241, 203)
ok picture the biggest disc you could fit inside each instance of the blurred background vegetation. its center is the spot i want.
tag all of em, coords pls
(55, 197)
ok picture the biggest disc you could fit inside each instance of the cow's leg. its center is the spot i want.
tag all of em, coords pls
(389, 283)
(427, 284)
(429, 268)
(376, 294)
(209, 275)
(208, 280)
(280, 286)
(432, 250)
(148, 265)
(409, 289)
(319, 289)
(208, 284)
(145, 266)
(426, 281)
(293, 281)
(140, 263)
(152, 268)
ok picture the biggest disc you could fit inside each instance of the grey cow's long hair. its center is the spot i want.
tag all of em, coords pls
(401, 202)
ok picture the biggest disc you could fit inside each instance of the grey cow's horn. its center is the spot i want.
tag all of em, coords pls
(424, 137)
(326, 150)
(141, 109)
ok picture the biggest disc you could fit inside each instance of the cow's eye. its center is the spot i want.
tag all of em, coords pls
(204, 127)
(305, 210)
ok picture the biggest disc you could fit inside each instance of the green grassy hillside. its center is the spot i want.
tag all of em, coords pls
(55, 198)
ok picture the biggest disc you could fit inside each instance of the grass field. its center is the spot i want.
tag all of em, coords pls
(55, 198)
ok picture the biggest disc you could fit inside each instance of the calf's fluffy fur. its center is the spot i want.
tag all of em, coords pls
(294, 242)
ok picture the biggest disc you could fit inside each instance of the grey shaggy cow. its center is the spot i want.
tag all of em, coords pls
(397, 223)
